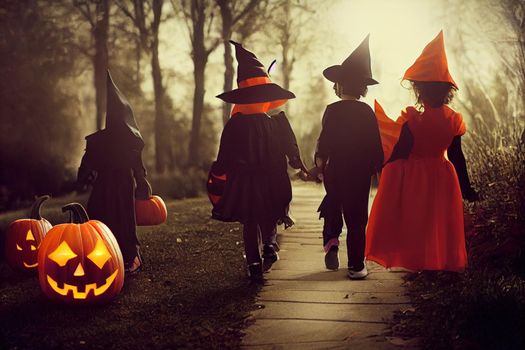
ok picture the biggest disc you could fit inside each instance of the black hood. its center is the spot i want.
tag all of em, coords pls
(119, 115)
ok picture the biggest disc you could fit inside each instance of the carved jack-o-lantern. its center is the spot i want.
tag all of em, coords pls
(23, 238)
(80, 262)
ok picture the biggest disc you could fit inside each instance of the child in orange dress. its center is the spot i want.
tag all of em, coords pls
(416, 220)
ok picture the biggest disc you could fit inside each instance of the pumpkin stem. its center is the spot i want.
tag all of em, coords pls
(77, 213)
(35, 208)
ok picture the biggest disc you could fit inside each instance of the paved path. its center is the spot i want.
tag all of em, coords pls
(305, 306)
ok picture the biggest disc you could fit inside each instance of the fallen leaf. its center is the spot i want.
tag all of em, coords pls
(408, 309)
(403, 342)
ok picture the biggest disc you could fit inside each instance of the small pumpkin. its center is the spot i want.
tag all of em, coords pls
(215, 185)
(149, 209)
(23, 237)
(80, 262)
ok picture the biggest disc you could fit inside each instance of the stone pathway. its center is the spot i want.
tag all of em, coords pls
(305, 306)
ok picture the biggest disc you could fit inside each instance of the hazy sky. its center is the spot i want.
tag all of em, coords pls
(399, 29)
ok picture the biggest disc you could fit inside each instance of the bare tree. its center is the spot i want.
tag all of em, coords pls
(233, 12)
(147, 18)
(96, 13)
(289, 20)
(199, 16)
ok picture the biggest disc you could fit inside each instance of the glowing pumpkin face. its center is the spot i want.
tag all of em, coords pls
(80, 262)
(23, 238)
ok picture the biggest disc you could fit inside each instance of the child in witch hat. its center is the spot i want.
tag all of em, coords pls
(113, 164)
(416, 220)
(257, 190)
(348, 154)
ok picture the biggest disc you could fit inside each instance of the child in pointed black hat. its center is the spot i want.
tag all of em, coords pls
(348, 153)
(113, 164)
(252, 155)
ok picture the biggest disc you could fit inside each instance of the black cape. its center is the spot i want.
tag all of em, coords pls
(116, 164)
(252, 155)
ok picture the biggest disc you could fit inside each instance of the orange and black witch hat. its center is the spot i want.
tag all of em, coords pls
(432, 64)
(254, 83)
(356, 68)
(119, 115)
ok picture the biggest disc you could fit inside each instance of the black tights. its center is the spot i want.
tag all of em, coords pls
(254, 235)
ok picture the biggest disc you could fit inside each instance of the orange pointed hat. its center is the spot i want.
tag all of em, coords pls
(432, 64)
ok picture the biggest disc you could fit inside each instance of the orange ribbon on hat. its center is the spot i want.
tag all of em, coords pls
(432, 64)
(256, 108)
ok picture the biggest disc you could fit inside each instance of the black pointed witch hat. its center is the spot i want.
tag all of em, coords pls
(356, 68)
(254, 83)
(119, 114)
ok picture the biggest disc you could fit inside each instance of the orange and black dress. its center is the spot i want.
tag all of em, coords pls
(252, 158)
(257, 188)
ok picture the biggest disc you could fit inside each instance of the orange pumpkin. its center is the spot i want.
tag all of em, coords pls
(151, 211)
(80, 262)
(23, 238)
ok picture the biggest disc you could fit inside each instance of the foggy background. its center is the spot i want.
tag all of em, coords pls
(171, 58)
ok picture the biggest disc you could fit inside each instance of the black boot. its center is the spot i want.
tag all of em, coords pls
(331, 258)
(255, 272)
(269, 256)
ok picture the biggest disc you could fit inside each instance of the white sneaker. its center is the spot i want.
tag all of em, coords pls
(357, 275)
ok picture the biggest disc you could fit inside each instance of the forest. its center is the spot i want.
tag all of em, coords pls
(171, 58)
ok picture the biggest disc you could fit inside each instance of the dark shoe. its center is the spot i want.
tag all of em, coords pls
(331, 258)
(269, 256)
(255, 272)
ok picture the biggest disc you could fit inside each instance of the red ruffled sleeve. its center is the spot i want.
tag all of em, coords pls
(389, 129)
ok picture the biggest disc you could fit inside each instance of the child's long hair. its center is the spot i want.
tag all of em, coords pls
(433, 93)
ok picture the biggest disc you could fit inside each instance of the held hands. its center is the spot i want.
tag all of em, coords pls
(314, 174)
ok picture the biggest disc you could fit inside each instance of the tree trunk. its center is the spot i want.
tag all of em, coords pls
(286, 45)
(198, 104)
(227, 25)
(100, 59)
(158, 90)
(161, 141)
(199, 57)
(286, 71)
(228, 79)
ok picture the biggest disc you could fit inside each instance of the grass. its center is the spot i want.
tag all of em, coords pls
(484, 307)
(192, 294)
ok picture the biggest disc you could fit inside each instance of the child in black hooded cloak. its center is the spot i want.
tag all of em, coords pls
(113, 164)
